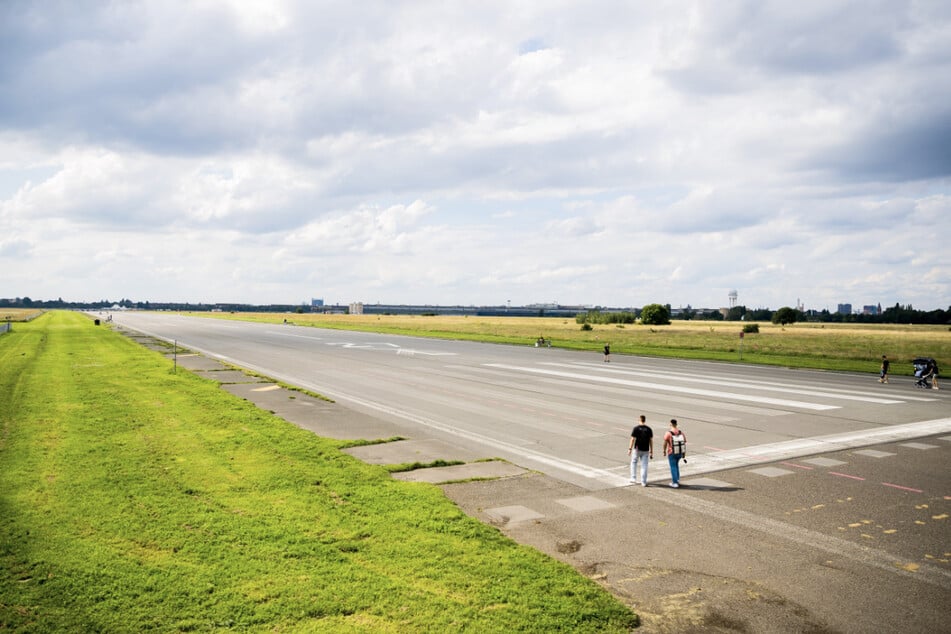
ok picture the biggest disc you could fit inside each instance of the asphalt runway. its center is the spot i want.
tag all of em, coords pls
(845, 480)
(565, 413)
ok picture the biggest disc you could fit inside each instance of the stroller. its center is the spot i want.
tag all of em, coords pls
(925, 370)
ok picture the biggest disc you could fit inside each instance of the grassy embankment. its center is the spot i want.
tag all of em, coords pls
(849, 347)
(133, 498)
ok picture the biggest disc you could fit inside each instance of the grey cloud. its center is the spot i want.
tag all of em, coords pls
(15, 248)
(893, 149)
(759, 43)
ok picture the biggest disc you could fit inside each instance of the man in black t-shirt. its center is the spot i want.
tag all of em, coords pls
(641, 448)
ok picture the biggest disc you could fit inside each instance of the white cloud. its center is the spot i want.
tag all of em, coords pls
(417, 153)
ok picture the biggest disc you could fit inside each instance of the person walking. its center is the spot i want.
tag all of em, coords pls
(607, 353)
(675, 448)
(883, 377)
(641, 449)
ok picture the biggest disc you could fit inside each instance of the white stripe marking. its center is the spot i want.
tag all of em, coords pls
(669, 388)
(759, 385)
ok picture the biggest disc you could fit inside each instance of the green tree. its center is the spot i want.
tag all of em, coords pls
(785, 315)
(736, 313)
(655, 315)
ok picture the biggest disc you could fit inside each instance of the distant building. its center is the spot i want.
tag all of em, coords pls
(845, 309)
(316, 303)
(870, 310)
(356, 308)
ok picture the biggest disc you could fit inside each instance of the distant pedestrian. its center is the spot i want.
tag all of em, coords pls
(641, 449)
(607, 353)
(934, 374)
(675, 448)
(883, 377)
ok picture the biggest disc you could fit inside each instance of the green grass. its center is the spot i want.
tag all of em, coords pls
(845, 347)
(137, 499)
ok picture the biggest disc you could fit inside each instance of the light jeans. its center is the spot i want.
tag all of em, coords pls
(674, 460)
(644, 457)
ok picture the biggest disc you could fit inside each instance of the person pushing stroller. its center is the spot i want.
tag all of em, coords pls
(926, 372)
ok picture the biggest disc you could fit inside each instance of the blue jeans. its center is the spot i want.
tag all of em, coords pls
(644, 457)
(673, 460)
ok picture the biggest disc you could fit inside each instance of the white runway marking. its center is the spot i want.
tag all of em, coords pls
(668, 388)
(774, 452)
(848, 395)
(291, 334)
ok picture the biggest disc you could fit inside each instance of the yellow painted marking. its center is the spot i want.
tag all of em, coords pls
(929, 556)
(921, 506)
(819, 506)
(919, 522)
(855, 525)
(943, 516)
(866, 521)
(889, 531)
(909, 567)
(867, 536)
(842, 528)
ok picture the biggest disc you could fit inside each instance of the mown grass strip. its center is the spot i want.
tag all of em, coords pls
(133, 498)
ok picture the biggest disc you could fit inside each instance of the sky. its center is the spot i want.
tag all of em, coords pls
(596, 153)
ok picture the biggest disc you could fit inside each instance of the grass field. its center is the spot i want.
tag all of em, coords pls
(134, 498)
(857, 348)
(18, 314)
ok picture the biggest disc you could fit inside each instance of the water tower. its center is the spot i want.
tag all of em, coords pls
(732, 296)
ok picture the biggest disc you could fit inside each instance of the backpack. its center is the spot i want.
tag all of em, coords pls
(678, 443)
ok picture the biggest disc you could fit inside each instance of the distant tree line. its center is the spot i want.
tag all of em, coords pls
(103, 304)
(656, 314)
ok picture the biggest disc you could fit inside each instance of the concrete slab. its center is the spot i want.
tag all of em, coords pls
(462, 472)
(874, 453)
(771, 472)
(823, 462)
(404, 451)
(512, 514)
(586, 503)
(197, 362)
(324, 418)
(228, 376)
(707, 484)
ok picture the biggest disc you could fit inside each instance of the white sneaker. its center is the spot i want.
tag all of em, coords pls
(643, 484)
(674, 485)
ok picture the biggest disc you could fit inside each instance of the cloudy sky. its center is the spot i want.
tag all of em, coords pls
(601, 153)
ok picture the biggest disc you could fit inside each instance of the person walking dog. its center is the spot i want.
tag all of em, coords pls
(675, 448)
